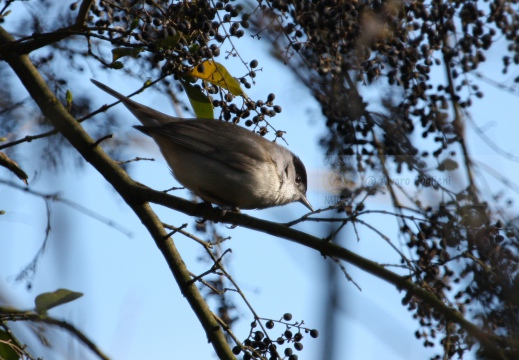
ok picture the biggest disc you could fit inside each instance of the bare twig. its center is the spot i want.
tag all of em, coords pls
(122, 162)
(58, 198)
(123, 184)
(181, 230)
(103, 108)
(100, 140)
(17, 315)
(345, 272)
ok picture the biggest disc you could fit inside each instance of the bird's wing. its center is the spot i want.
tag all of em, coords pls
(220, 141)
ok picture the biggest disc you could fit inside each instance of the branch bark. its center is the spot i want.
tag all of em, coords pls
(138, 196)
(123, 184)
(490, 342)
(37, 41)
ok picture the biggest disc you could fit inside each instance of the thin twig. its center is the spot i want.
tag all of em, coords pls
(99, 141)
(122, 162)
(212, 270)
(56, 197)
(17, 315)
(343, 269)
(103, 108)
(181, 230)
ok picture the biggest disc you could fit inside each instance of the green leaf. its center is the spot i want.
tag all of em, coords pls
(49, 300)
(217, 74)
(201, 104)
(169, 42)
(69, 99)
(6, 351)
(134, 24)
(118, 53)
(194, 48)
(117, 65)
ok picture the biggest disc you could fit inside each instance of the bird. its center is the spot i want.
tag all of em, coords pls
(221, 162)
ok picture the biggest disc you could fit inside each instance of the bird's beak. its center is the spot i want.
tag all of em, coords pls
(303, 200)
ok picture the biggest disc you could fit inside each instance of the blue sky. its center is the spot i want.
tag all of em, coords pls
(132, 307)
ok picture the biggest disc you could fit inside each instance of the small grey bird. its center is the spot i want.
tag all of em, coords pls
(221, 162)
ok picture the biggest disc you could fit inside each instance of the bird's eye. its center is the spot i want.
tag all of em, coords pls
(298, 179)
(286, 171)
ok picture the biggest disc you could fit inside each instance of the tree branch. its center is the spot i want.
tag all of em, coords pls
(492, 343)
(83, 13)
(458, 121)
(17, 315)
(52, 132)
(36, 41)
(123, 184)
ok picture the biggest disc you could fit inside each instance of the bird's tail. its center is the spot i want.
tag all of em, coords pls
(146, 115)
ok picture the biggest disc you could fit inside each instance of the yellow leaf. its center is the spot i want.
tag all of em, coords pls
(218, 75)
(208, 68)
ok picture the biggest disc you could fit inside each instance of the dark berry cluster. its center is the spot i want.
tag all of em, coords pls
(459, 248)
(176, 37)
(399, 42)
(260, 344)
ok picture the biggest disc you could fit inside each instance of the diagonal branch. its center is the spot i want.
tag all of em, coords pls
(36, 41)
(137, 197)
(490, 342)
(123, 184)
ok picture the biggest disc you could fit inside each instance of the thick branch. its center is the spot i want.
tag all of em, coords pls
(36, 41)
(123, 184)
(82, 14)
(492, 343)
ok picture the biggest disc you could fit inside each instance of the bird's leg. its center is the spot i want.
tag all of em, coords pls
(204, 205)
